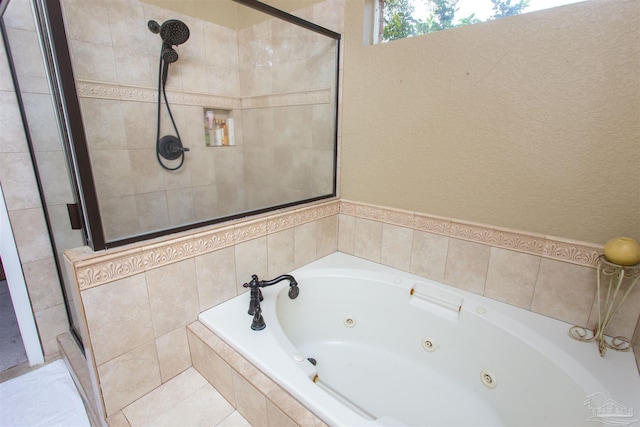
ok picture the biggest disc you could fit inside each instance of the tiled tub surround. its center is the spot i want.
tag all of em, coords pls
(139, 300)
(253, 72)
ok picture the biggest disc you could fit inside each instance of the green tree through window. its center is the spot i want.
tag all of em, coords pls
(400, 20)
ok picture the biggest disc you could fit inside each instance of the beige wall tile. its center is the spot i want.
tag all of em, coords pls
(19, 15)
(173, 295)
(152, 211)
(119, 217)
(173, 353)
(55, 185)
(180, 203)
(51, 322)
(146, 410)
(564, 291)
(212, 367)
(396, 246)
(467, 264)
(112, 172)
(277, 418)
(216, 274)
(293, 409)
(18, 181)
(327, 236)
(205, 202)
(140, 124)
(118, 316)
(346, 233)
(134, 66)
(128, 377)
(93, 62)
(202, 159)
(429, 255)
(84, 15)
(118, 420)
(249, 402)
(205, 407)
(30, 233)
(13, 138)
(251, 258)
(43, 127)
(104, 123)
(511, 277)
(33, 78)
(145, 170)
(280, 252)
(368, 239)
(235, 420)
(305, 243)
(42, 283)
(124, 18)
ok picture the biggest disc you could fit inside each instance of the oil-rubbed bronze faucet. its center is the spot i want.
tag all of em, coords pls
(256, 296)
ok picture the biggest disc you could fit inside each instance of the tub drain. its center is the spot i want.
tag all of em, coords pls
(488, 379)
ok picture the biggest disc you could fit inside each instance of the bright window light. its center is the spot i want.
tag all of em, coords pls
(407, 18)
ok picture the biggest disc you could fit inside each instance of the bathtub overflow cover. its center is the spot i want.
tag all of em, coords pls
(488, 379)
(349, 322)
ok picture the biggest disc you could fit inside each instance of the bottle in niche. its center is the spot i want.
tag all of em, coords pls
(218, 134)
(230, 128)
(225, 132)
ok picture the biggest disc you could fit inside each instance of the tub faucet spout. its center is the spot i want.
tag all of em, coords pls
(256, 296)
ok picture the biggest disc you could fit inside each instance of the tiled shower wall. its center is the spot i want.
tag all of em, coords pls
(277, 57)
(138, 301)
(115, 60)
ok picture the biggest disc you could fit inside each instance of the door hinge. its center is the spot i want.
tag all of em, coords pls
(74, 216)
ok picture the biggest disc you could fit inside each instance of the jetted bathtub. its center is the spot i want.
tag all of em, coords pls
(368, 345)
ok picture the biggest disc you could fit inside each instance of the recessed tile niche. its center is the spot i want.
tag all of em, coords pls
(219, 128)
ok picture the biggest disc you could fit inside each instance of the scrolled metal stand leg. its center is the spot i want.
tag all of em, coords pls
(608, 310)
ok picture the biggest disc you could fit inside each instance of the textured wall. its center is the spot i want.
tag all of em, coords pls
(529, 122)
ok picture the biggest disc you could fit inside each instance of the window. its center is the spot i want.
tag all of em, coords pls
(398, 19)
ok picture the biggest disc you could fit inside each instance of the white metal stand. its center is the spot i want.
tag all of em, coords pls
(609, 304)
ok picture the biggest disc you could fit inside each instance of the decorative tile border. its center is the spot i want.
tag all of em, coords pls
(119, 263)
(580, 253)
(118, 92)
(320, 96)
(90, 89)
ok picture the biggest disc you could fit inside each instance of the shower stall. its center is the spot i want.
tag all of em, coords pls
(243, 97)
(242, 123)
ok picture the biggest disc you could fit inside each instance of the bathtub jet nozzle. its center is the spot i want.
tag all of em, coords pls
(254, 286)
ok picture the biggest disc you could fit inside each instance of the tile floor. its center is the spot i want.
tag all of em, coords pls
(186, 400)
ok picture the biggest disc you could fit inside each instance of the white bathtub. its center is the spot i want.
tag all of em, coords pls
(434, 356)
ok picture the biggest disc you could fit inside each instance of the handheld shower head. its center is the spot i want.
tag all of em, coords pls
(169, 54)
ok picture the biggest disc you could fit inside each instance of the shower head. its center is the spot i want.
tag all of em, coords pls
(173, 32)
